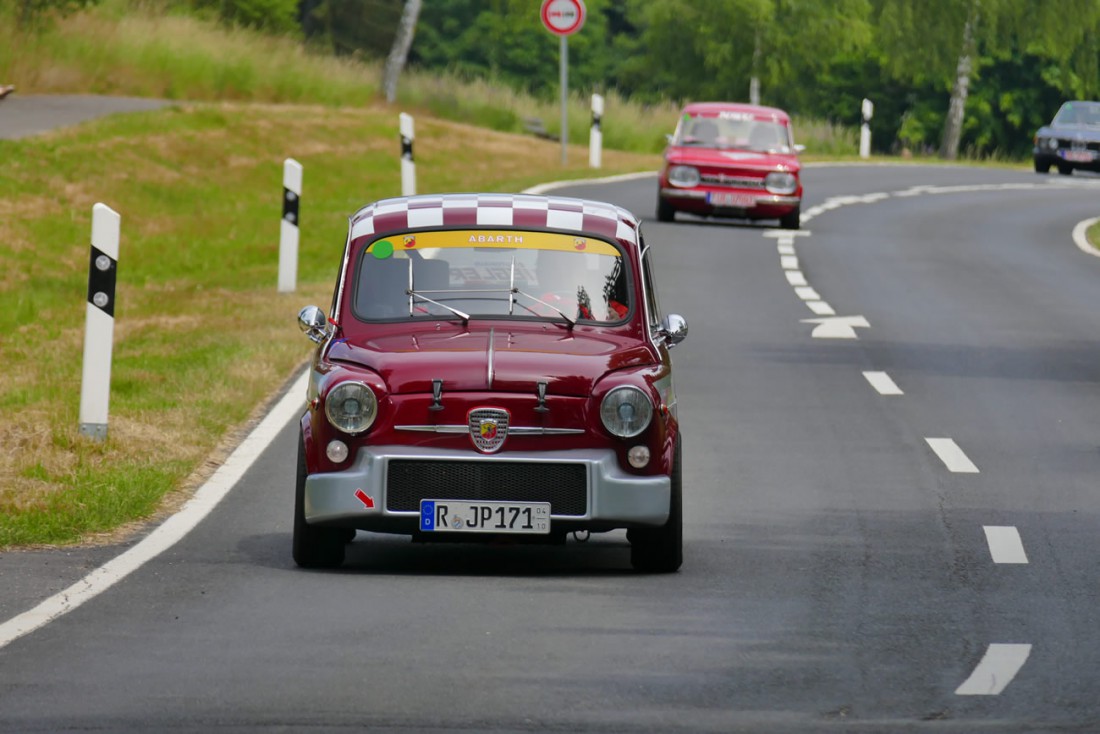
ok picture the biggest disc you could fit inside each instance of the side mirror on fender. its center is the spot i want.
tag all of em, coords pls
(312, 321)
(674, 328)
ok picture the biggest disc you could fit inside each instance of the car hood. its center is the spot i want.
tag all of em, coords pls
(731, 158)
(1085, 133)
(501, 358)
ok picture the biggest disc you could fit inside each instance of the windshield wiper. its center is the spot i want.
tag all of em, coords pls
(412, 293)
(561, 313)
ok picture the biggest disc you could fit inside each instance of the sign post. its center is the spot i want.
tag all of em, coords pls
(563, 18)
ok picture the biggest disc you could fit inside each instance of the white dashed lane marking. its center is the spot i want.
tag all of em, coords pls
(1005, 544)
(882, 382)
(795, 277)
(952, 456)
(996, 670)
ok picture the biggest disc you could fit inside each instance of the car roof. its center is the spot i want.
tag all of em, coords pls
(493, 211)
(713, 108)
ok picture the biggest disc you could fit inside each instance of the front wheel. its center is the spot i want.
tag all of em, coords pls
(665, 211)
(1042, 166)
(661, 550)
(313, 547)
(1065, 170)
(792, 220)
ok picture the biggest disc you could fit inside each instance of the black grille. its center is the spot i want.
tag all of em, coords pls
(564, 486)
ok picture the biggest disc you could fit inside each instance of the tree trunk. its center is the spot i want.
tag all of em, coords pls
(952, 127)
(754, 82)
(395, 62)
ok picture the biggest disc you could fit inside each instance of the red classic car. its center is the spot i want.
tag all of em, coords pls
(731, 160)
(494, 365)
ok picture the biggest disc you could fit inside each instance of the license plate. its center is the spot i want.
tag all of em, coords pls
(459, 516)
(1080, 156)
(725, 198)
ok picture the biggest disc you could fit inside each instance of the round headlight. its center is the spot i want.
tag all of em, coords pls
(626, 411)
(781, 183)
(351, 407)
(1052, 143)
(683, 176)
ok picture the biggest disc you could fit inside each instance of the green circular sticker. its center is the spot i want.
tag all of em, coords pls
(382, 249)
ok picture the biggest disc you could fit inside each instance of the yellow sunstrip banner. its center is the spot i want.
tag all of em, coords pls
(509, 239)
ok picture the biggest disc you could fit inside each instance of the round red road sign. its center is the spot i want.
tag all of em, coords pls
(563, 17)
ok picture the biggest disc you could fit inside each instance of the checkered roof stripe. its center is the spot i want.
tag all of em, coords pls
(521, 211)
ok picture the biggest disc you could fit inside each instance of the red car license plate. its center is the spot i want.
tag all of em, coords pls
(724, 198)
(1080, 156)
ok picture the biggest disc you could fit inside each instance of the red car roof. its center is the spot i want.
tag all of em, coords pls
(714, 108)
(521, 211)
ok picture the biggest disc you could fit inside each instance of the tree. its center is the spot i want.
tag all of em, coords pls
(402, 41)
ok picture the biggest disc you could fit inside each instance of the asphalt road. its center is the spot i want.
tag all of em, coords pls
(854, 559)
(24, 115)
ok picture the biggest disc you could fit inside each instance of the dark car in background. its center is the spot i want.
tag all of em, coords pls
(732, 160)
(1071, 140)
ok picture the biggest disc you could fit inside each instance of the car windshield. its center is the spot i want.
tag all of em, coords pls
(465, 274)
(737, 131)
(1079, 113)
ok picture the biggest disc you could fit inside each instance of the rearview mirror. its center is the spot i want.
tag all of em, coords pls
(312, 321)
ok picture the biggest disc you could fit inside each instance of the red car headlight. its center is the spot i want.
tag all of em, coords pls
(781, 183)
(351, 407)
(683, 176)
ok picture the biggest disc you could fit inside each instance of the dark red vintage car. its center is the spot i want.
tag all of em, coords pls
(732, 160)
(494, 365)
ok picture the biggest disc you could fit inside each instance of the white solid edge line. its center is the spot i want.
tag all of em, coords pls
(997, 668)
(550, 186)
(1005, 545)
(1081, 240)
(952, 456)
(168, 533)
(882, 383)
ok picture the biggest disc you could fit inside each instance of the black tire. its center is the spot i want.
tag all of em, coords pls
(1043, 167)
(792, 220)
(661, 550)
(665, 211)
(1064, 169)
(313, 547)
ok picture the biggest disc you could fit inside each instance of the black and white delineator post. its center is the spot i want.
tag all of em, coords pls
(288, 232)
(99, 330)
(865, 129)
(595, 137)
(408, 166)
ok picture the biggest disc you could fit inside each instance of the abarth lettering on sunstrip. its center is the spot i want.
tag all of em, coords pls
(499, 238)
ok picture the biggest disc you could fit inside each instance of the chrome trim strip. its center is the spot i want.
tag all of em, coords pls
(512, 430)
(492, 334)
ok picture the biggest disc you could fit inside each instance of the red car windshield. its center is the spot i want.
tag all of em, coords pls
(736, 131)
(490, 273)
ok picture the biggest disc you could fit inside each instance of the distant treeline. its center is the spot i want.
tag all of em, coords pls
(970, 77)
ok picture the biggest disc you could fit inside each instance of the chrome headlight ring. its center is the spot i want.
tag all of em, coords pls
(684, 177)
(781, 183)
(351, 407)
(626, 411)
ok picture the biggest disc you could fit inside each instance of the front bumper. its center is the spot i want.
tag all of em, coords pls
(764, 205)
(357, 496)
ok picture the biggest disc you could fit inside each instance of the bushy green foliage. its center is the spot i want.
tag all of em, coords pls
(276, 16)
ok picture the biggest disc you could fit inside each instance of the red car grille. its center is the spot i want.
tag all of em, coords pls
(564, 486)
(725, 179)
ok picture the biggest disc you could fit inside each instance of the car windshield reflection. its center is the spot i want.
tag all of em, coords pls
(469, 274)
(735, 132)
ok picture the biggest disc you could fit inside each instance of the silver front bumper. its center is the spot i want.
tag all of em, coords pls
(359, 492)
